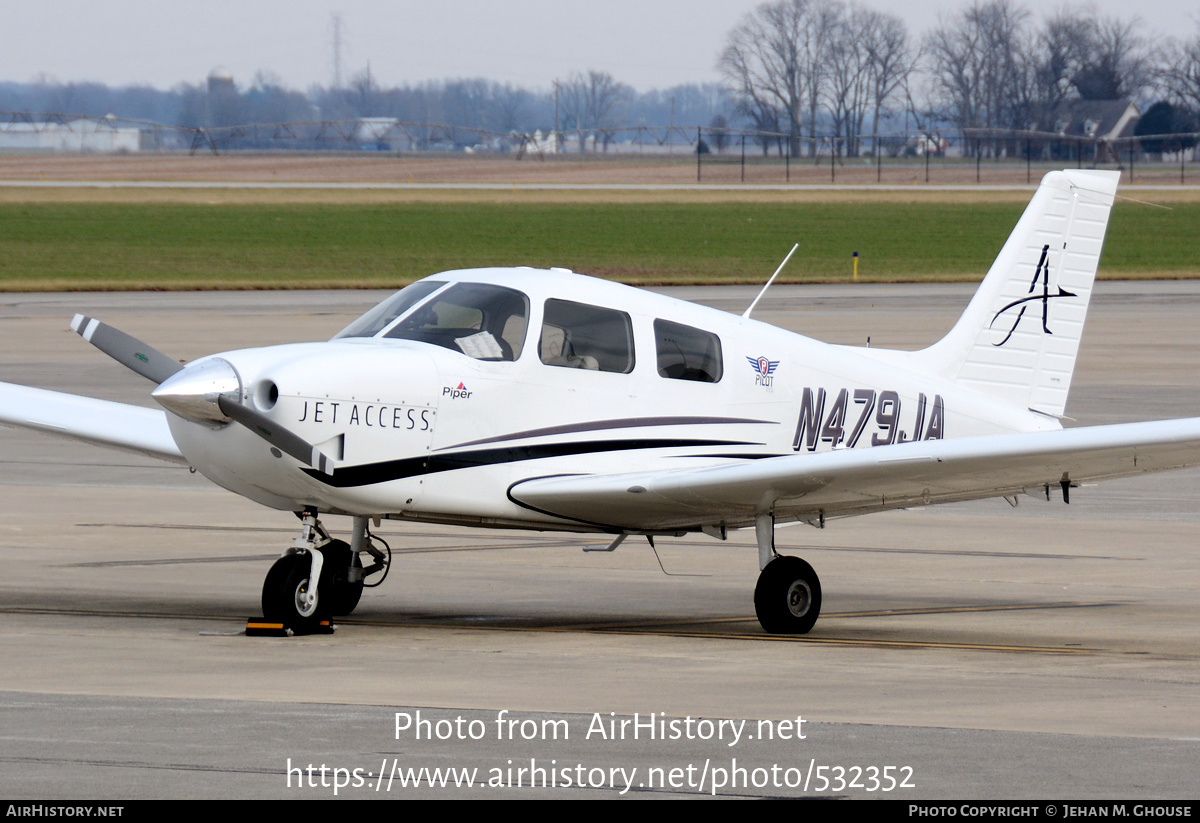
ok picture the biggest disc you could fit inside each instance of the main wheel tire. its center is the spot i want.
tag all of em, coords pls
(787, 598)
(284, 594)
(343, 595)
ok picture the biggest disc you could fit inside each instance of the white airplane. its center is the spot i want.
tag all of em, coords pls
(546, 400)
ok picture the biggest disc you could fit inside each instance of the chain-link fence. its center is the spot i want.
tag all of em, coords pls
(681, 154)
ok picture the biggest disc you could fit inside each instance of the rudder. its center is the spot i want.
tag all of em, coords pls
(1019, 336)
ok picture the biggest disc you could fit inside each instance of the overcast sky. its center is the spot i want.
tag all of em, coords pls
(645, 43)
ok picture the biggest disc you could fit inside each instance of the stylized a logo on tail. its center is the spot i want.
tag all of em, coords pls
(1042, 273)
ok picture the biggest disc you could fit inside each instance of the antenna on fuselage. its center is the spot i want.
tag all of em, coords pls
(772, 280)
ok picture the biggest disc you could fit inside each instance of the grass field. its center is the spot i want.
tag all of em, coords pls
(63, 245)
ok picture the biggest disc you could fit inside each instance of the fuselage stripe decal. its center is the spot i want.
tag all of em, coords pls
(370, 473)
(622, 423)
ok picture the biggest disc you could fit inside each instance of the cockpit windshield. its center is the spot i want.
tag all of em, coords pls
(380, 317)
(480, 320)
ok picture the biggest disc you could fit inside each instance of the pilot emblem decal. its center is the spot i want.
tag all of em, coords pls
(764, 370)
(1042, 274)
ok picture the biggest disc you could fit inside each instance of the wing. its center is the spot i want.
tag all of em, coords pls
(850, 482)
(117, 425)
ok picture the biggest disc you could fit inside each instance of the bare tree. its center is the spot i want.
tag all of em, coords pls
(777, 61)
(464, 103)
(867, 62)
(591, 104)
(1062, 52)
(818, 34)
(507, 106)
(1116, 63)
(1178, 72)
(846, 91)
(717, 133)
(268, 101)
(977, 66)
(893, 61)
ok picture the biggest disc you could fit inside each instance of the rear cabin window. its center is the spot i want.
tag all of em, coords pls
(685, 353)
(479, 320)
(579, 336)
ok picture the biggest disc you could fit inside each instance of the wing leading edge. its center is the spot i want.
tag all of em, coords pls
(850, 482)
(104, 423)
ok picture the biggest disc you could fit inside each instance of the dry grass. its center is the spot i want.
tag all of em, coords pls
(330, 168)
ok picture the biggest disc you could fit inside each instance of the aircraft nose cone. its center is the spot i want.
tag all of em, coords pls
(192, 392)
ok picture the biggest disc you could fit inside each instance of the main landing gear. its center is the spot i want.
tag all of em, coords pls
(289, 595)
(787, 598)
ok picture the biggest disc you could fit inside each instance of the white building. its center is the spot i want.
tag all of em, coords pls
(78, 136)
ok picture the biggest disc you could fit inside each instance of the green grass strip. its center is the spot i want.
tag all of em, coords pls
(176, 246)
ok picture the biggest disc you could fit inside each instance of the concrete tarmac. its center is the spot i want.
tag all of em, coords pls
(966, 651)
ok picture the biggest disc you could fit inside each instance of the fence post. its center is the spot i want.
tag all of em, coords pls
(878, 161)
(978, 155)
(833, 161)
(698, 153)
(1028, 160)
(926, 159)
(787, 162)
(743, 158)
(1131, 177)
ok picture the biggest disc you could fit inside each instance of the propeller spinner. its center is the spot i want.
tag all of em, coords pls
(208, 392)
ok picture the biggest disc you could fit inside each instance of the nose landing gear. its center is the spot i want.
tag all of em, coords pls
(291, 597)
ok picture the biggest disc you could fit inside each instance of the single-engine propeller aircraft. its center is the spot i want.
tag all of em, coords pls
(546, 400)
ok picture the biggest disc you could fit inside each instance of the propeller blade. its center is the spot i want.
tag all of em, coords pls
(130, 352)
(286, 441)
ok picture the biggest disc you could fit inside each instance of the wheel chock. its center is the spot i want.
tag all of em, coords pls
(261, 627)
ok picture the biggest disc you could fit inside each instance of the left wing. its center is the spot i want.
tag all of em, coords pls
(848, 482)
(104, 423)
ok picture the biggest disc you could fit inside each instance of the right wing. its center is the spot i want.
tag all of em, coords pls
(848, 482)
(104, 423)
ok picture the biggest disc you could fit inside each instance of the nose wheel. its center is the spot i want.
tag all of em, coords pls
(289, 595)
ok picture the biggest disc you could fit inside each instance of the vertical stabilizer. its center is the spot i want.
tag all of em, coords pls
(1019, 336)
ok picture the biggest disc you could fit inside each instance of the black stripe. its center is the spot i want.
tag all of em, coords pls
(370, 473)
(622, 423)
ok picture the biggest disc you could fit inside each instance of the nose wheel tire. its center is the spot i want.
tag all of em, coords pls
(787, 598)
(285, 591)
(284, 596)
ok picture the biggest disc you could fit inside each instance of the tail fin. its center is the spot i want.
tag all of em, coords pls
(1020, 334)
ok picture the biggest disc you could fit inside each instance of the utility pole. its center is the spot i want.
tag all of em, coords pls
(335, 25)
(671, 131)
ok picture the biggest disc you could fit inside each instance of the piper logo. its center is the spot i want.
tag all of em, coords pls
(456, 393)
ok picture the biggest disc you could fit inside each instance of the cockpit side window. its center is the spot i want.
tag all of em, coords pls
(579, 336)
(479, 320)
(378, 318)
(685, 353)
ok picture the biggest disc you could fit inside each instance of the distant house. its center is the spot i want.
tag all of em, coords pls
(1099, 123)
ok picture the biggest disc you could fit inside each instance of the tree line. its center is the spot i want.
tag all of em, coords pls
(823, 67)
(801, 70)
